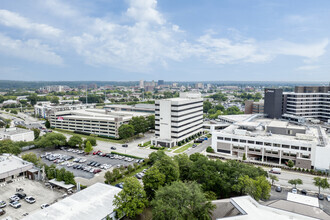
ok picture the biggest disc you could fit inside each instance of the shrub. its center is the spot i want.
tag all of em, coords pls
(209, 149)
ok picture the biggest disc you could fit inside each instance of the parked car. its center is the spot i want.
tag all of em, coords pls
(294, 191)
(194, 145)
(275, 170)
(2, 212)
(321, 197)
(120, 185)
(97, 170)
(96, 152)
(30, 199)
(278, 189)
(15, 204)
(3, 204)
(113, 148)
(125, 145)
(304, 192)
(44, 206)
(14, 198)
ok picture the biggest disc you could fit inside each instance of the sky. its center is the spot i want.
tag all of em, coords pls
(199, 40)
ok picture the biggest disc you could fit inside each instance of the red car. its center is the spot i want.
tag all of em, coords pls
(97, 170)
(96, 152)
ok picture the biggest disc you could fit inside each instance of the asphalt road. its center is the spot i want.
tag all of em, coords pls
(307, 179)
(200, 148)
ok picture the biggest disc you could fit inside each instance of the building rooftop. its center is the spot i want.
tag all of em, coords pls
(99, 114)
(94, 202)
(13, 131)
(9, 163)
(251, 209)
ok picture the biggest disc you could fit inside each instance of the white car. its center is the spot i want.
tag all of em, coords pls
(30, 199)
(14, 198)
(328, 199)
(82, 160)
(294, 191)
(2, 204)
(15, 204)
(43, 206)
(91, 170)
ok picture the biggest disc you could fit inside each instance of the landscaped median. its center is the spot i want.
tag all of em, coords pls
(184, 148)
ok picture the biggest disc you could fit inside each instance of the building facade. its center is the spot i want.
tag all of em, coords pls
(272, 141)
(178, 118)
(43, 110)
(16, 134)
(92, 121)
(311, 102)
(12, 167)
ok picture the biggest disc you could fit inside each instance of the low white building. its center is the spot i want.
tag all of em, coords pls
(44, 109)
(94, 202)
(12, 167)
(16, 134)
(93, 121)
(273, 141)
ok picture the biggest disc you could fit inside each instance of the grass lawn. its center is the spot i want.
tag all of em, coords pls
(131, 174)
(87, 136)
(184, 148)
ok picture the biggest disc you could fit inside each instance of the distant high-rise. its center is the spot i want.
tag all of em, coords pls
(141, 85)
(161, 82)
(273, 103)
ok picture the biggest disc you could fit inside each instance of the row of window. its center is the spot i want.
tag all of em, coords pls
(265, 143)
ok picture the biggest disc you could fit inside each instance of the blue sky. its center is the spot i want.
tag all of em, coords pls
(250, 40)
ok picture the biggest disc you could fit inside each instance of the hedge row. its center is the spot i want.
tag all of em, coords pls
(126, 155)
(190, 138)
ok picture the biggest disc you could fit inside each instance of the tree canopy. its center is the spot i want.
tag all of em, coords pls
(126, 131)
(131, 200)
(181, 201)
(51, 140)
(75, 140)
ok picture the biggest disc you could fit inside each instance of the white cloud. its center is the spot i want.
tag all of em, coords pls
(145, 11)
(14, 20)
(31, 50)
(308, 68)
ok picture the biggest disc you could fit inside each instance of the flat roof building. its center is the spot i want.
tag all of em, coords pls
(146, 108)
(16, 134)
(273, 141)
(12, 167)
(94, 202)
(246, 208)
(43, 110)
(100, 122)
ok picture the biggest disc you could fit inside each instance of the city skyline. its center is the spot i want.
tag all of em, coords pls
(169, 40)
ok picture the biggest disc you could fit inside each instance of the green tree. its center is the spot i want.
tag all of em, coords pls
(32, 157)
(51, 140)
(184, 165)
(152, 181)
(33, 98)
(125, 131)
(54, 99)
(75, 140)
(132, 200)
(244, 156)
(209, 149)
(60, 174)
(295, 182)
(290, 163)
(273, 178)
(321, 183)
(206, 106)
(88, 147)
(155, 156)
(68, 178)
(92, 140)
(181, 201)
(47, 124)
(8, 146)
(151, 121)
(36, 133)
(169, 168)
(139, 123)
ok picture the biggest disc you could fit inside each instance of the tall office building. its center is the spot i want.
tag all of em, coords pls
(141, 85)
(305, 102)
(273, 103)
(161, 82)
(178, 118)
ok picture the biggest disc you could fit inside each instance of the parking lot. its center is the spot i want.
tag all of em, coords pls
(85, 170)
(37, 190)
(324, 204)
